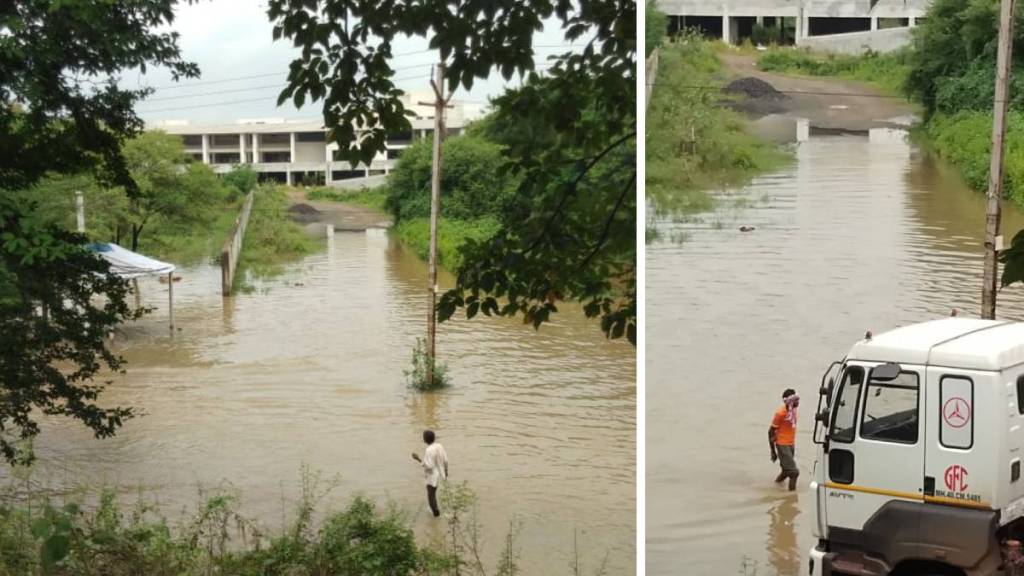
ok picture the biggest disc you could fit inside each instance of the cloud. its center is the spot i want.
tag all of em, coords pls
(233, 38)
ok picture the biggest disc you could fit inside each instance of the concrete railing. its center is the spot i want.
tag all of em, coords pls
(233, 247)
(652, 75)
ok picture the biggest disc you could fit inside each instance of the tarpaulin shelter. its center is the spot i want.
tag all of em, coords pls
(129, 265)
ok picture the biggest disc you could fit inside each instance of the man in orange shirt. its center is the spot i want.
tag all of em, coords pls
(782, 438)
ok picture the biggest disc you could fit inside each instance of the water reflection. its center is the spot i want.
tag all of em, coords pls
(861, 232)
(781, 541)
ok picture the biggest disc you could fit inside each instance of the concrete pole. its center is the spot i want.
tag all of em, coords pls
(241, 148)
(170, 300)
(874, 23)
(726, 28)
(256, 148)
(435, 196)
(993, 212)
(80, 211)
(292, 152)
(206, 148)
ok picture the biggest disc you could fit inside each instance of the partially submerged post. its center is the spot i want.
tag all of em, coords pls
(993, 212)
(440, 103)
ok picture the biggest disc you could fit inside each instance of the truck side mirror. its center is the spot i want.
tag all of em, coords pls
(886, 372)
(821, 417)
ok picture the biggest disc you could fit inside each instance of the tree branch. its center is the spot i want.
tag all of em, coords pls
(608, 222)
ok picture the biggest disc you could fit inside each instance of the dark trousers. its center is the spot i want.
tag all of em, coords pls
(432, 499)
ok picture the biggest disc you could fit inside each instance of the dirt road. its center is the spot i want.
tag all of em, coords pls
(352, 217)
(828, 103)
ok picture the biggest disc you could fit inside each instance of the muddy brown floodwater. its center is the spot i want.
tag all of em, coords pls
(308, 369)
(862, 232)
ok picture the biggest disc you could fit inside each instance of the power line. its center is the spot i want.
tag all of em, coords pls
(271, 74)
(232, 102)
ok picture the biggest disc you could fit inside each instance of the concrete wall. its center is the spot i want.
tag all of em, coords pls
(859, 42)
(357, 183)
(310, 152)
(810, 8)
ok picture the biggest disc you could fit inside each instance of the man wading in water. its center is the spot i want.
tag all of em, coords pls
(782, 438)
(435, 468)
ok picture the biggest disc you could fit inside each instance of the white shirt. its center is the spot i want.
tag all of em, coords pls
(435, 464)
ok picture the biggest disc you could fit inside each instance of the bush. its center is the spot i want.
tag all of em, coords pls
(451, 235)
(655, 26)
(965, 141)
(242, 178)
(271, 238)
(472, 184)
(416, 376)
(766, 36)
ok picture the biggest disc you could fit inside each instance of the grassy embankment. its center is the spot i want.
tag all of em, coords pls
(415, 232)
(93, 536)
(962, 138)
(694, 143)
(272, 238)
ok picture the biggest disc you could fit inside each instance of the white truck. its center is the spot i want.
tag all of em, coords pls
(920, 435)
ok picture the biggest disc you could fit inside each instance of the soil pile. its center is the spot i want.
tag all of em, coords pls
(304, 213)
(756, 97)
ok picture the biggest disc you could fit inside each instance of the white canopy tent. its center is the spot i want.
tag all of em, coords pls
(131, 265)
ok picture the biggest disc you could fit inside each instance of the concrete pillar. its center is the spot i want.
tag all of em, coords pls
(241, 148)
(206, 148)
(288, 177)
(292, 157)
(798, 28)
(726, 25)
(874, 23)
(256, 148)
(913, 21)
(759, 20)
(803, 130)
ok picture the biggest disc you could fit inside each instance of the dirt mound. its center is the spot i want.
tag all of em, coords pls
(761, 98)
(304, 213)
(754, 88)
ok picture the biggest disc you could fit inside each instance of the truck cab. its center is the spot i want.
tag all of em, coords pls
(919, 435)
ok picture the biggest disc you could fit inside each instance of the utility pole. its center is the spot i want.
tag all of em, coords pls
(80, 211)
(439, 103)
(993, 212)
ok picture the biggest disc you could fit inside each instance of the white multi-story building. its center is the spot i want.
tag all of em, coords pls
(297, 151)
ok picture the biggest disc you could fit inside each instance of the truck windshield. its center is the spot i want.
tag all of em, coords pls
(844, 415)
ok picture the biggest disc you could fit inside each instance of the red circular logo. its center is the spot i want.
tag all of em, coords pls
(956, 412)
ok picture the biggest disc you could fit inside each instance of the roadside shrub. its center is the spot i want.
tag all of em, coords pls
(472, 183)
(655, 26)
(416, 376)
(241, 178)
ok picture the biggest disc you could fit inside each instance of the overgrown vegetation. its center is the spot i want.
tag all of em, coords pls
(887, 71)
(655, 26)
(272, 238)
(694, 143)
(370, 197)
(452, 235)
(97, 536)
(416, 375)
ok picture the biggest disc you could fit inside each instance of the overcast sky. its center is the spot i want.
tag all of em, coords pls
(231, 39)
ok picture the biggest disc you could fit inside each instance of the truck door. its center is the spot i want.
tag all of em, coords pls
(955, 473)
(875, 442)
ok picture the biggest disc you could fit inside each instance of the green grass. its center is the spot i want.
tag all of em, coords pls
(272, 239)
(964, 140)
(186, 245)
(887, 72)
(451, 234)
(369, 197)
(694, 143)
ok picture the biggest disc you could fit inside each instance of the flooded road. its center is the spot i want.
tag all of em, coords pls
(308, 369)
(859, 233)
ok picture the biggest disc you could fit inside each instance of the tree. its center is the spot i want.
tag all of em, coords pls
(655, 26)
(167, 186)
(585, 102)
(61, 111)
